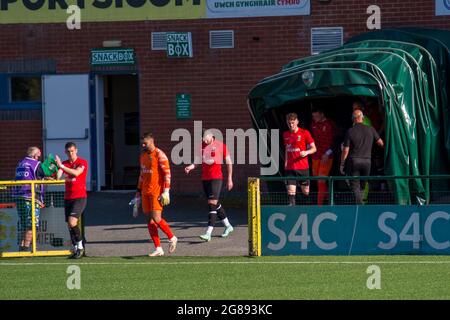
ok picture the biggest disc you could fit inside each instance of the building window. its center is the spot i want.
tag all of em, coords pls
(25, 89)
(159, 41)
(221, 39)
(324, 39)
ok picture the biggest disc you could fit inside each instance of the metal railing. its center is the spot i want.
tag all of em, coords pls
(421, 189)
(43, 217)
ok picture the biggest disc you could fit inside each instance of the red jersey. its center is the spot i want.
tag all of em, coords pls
(76, 186)
(322, 133)
(213, 156)
(295, 142)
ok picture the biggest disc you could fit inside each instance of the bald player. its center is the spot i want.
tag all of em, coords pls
(358, 144)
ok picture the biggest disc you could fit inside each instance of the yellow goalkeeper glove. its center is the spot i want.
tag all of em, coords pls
(164, 198)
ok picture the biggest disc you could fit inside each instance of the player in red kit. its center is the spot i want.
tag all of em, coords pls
(298, 145)
(322, 161)
(214, 152)
(75, 196)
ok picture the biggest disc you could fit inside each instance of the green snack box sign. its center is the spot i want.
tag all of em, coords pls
(113, 57)
(179, 45)
(183, 106)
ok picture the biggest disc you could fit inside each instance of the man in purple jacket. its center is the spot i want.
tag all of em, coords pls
(29, 168)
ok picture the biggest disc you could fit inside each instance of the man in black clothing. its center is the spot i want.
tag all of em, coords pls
(358, 148)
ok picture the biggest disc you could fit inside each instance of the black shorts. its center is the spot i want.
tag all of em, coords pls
(74, 207)
(212, 188)
(297, 173)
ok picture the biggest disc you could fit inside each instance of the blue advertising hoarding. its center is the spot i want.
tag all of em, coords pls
(355, 230)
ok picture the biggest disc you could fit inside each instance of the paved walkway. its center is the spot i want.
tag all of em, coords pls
(112, 231)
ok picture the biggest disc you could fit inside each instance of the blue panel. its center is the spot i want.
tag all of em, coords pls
(355, 230)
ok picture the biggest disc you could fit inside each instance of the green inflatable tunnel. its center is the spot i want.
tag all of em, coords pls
(404, 72)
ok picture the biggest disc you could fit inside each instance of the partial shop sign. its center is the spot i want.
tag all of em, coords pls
(443, 7)
(256, 8)
(54, 11)
(112, 57)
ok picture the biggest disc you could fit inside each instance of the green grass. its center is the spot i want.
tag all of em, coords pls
(416, 277)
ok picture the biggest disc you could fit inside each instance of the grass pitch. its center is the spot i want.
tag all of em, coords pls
(402, 277)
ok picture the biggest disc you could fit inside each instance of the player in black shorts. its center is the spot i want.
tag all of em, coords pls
(298, 145)
(75, 195)
(213, 154)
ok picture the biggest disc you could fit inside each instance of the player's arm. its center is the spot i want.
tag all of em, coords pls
(310, 141)
(229, 164)
(380, 143)
(345, 152)
(311, 149)
(74, 172)
(189, 168)
(163, 163)
(285, 158)
(328, 143)
(139, 184)
(378, 139)
(310, 145)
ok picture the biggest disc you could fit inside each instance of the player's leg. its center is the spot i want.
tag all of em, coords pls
(151, 226)
(324, 171)
(291, 187)
(68, 205)
(355, 185)
(162, 223)
(77, 209)
(216, 186)
(212, 212)
(316, 166)
(305, 183)
(365, 171)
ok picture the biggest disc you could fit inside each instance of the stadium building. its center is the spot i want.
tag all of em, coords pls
(159, 65)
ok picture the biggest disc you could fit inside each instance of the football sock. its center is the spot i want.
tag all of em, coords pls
(226, 223)
(209, 230)
(72, 236)
(75, 235)
(164, 226)
(80, 245)
(153, 230)
(212, 219)
(221, 212)
(292, 199)
(212, 216)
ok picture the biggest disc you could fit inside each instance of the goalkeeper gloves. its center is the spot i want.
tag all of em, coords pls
(165, 197)
(135, 202)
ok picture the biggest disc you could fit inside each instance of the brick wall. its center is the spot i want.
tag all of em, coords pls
(219, 80)
(15, 138)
